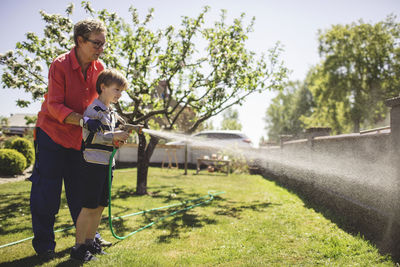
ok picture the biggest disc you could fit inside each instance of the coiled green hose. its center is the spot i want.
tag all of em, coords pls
(210, 197)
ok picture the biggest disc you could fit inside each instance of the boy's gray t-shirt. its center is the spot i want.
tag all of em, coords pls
(99, 146)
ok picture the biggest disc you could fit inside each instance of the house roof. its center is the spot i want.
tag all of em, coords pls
(18, 120)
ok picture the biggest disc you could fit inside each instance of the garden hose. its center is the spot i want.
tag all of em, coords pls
(209, 197)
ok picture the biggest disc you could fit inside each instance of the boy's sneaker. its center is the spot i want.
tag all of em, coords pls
(102, 242)
(82, 254)
(96, 249)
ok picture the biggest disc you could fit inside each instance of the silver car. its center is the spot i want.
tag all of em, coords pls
(222, 137)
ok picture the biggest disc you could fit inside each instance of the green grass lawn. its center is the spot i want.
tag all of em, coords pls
(255, 223)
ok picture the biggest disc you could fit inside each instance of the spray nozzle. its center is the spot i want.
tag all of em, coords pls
(130, 127)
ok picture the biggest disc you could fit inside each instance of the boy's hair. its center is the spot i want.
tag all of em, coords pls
(111, 76)
(85, 27)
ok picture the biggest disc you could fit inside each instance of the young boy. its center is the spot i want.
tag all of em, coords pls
(98, 148)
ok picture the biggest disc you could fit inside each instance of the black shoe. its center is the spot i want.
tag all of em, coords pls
(47, 255)
(102, 242)
(82, 254)
(95, 249)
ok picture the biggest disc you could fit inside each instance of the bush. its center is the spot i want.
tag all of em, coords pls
(11, 162)
(25, 147)
(29, 135)
(239, 163)
(8, 141)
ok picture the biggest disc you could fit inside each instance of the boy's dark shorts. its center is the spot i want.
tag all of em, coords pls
(95, 185)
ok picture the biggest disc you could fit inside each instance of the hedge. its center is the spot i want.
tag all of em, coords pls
(11, 162)
(25, 147)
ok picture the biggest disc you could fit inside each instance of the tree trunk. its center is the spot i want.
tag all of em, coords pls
(144, 155)
(357, 111)
(356, 120)
(356, 126)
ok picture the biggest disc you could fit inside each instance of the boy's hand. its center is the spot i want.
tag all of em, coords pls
(120, 137)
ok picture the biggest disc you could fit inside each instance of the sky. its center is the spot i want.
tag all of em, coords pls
(293, 23)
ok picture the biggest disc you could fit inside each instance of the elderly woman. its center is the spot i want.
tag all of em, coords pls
(58, 136)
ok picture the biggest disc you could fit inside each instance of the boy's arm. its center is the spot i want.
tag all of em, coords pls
(105, 138)
(100, 137)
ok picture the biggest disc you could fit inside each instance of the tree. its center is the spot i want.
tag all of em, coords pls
(327, 113)
(360, 68)
(207, 125)
(30, 120)
(230, 120)
(262, 142)
(285, 113)
(167, 74)
(3, 121)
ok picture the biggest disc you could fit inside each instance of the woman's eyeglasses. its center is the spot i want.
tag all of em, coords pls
(97, 44)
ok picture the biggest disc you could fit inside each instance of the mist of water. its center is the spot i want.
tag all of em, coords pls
(367, 180)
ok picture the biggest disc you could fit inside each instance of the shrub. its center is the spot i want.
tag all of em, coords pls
(8, 140)
(239, 163)
(29, 135)
(25, 147)
(11, 162)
